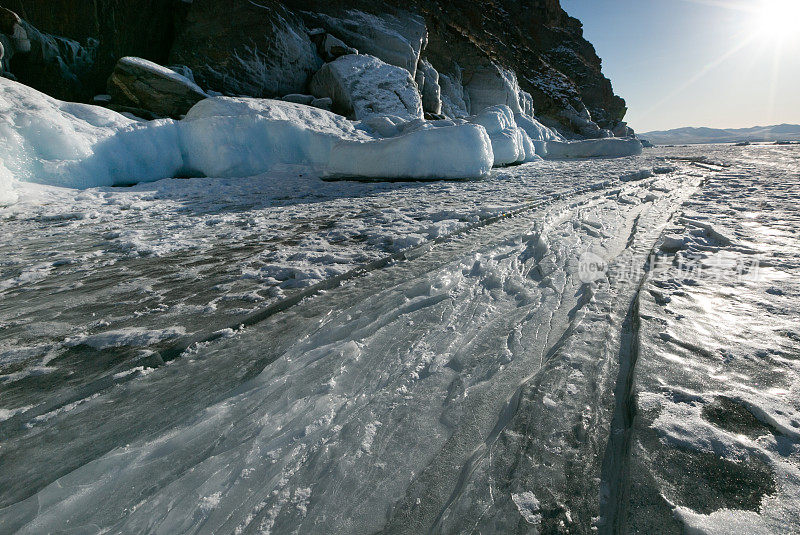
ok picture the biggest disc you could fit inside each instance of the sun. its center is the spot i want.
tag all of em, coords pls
(778, 20)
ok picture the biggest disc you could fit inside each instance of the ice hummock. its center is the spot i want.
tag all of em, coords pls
(80, 146)
(463, 151)
(235, 137)
(510, 143)
(77, 145)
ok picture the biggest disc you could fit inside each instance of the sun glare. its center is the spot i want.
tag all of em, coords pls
(778, 20)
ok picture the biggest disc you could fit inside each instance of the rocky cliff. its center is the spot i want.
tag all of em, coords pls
(463, 56)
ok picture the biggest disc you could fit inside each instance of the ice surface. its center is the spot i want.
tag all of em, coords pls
(416, 388)
(717, 372)
(594, 148)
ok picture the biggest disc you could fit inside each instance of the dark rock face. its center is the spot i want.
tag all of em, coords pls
(541, 43)
(534, 38)
(56, 65)
(238, 47)
(263, 48)
(143, 28)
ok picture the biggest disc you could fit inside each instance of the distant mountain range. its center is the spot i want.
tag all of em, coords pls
(680, 136)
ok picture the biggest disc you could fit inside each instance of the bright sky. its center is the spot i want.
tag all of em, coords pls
(715, 63)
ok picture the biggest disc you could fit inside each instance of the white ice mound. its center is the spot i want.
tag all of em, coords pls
(7, 193)
(361, 85)
(77, 145)
(459, 151)
(230, 137)
(594, 148)
(538, 132)
(510, 143)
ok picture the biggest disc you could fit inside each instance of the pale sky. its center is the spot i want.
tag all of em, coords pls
(715, 63)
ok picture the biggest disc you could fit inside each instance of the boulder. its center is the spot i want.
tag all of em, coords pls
(11, 25)
(297, 98)
(621, 129)
(332, 48)
(395, 38)
(361, 85)
(428, 82)
(184, 71)
(322, 103)
(139, 83)
(235, 47)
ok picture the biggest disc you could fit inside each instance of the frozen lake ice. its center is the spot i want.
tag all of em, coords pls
(281, 354)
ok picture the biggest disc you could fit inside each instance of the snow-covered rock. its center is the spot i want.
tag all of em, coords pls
(455, 103)
(581, 121)
(396, 39)
(492, 85)
(78, 145)
(428, 82)
(594, 148)
(460, 151)
(361, 85)
(622, 129)
(323, 103)
(298, 98)
(382, 125)
(184, 71)
(526, 103)
(140, 83)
